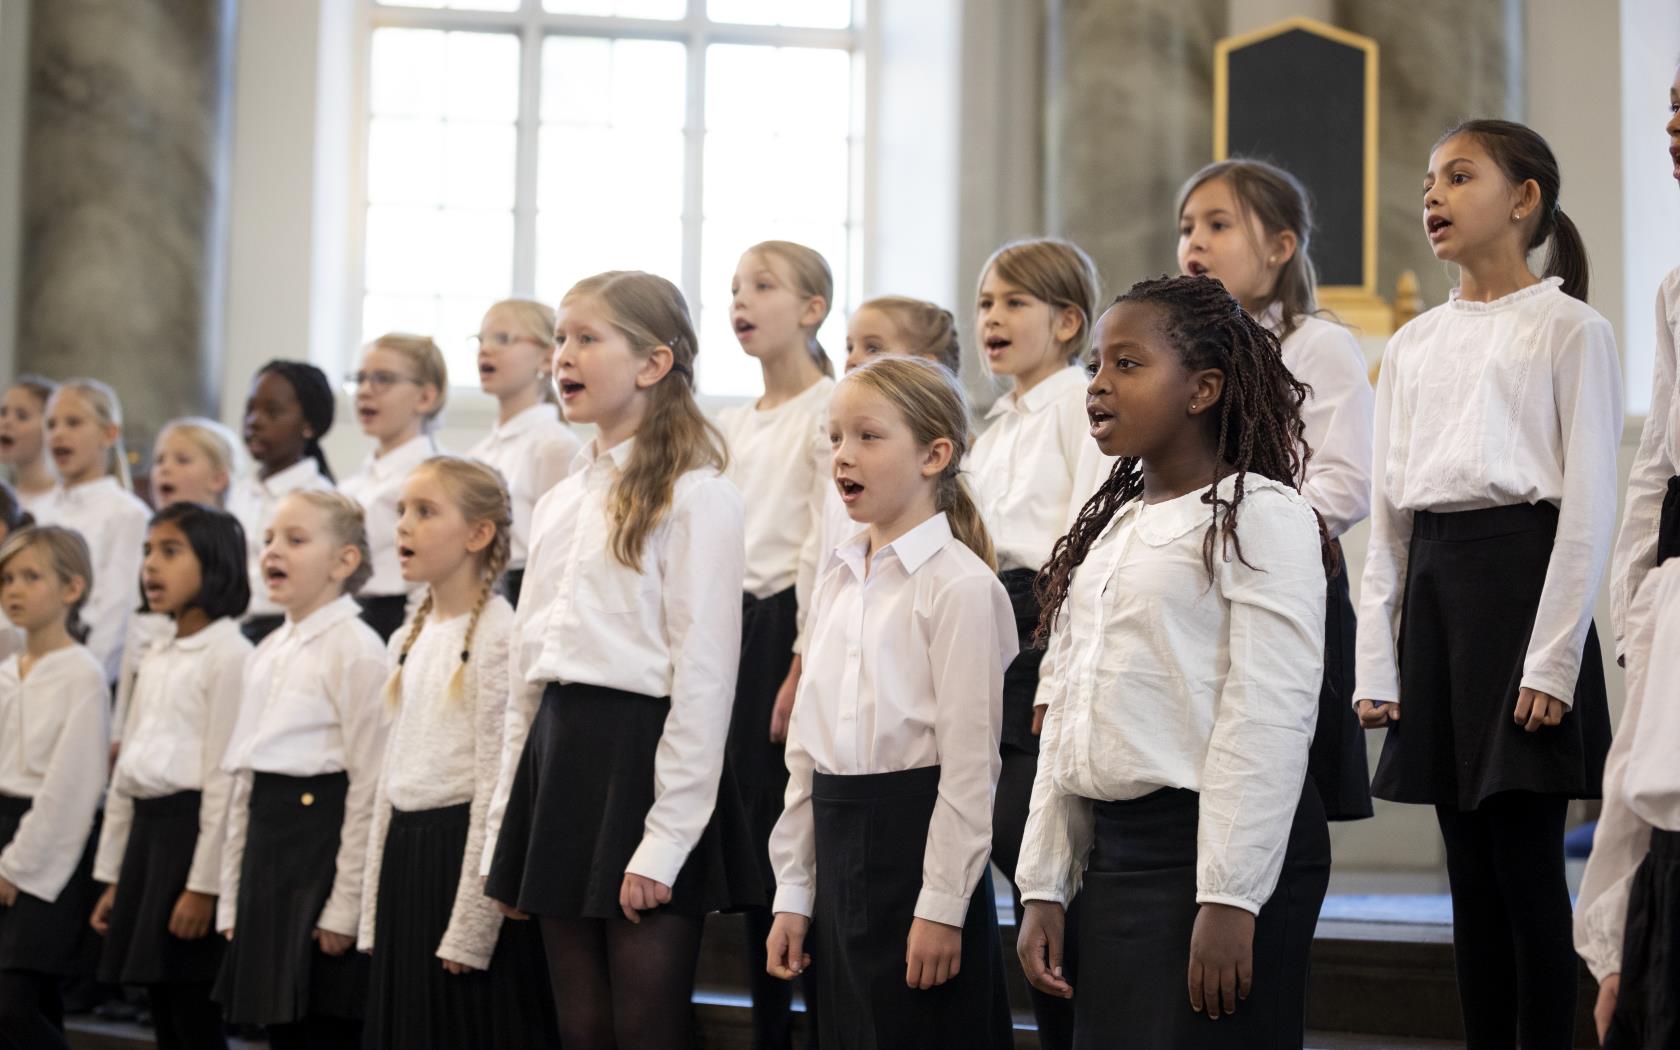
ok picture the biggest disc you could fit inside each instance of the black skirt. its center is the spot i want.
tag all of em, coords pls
(769, 627)
(513, 581)
(273, 972)
(1647, 1013)
(1137, 911)
(1668, 524)
(42, 936)
(1473, 583)
(413, 1003)
(385, 613)
(256, 628)
(139, 949)
(871, 833)
(580, 797)
(1336, 764)
(1020, 678)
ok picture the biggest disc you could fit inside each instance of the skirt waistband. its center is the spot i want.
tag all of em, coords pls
(1161, 801)
(561, 692)
(786, 594)
(14, 805)
(279, 787)
(1665, 845)
(441, 817)
(850, 787)
(1486, 523)
(179, 804)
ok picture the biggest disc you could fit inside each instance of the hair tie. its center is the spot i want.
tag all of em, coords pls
(466, 654)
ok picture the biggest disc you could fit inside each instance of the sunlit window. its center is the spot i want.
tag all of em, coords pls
(516, 146)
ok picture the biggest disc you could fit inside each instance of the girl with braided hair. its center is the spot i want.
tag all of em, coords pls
(1185, 618)
(446, 971)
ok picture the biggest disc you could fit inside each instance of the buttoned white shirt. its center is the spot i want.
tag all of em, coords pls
(378, 488)
(253, 499)
(113, 522)
(533, 451)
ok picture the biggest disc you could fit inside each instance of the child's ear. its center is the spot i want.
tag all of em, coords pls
(938, 457)
(348, 560)
(111, 434)
(1206, 387)
(816, 308)
(655, 367)
(1284, 246)
(481, 536)
(429, 397)
(1068, 323)
(219, 482)
(75, 589)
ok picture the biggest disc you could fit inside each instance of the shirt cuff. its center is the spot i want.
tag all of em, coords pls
(1551, 687)
(656, 860)
(1252, 907)
(793, 899)
(454, 951)
(336, 917)
(1048, 896)
(936, 906)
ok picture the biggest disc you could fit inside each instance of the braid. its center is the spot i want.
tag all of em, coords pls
(393, 688)
(495, 563)
(1259, 429)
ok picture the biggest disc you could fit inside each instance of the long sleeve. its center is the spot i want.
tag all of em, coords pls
(222, 691)
(1337, 416)
(113, 836)
(793, 841)
(1636, 546)
(1060, 825)
(474, 921)
(520, 711)
(1256, 760)
(115, 589)
(233, 851)
(1587, 380)
(1377, 664)
(704, 569)
(972, 636)
(357, 694)
(48, 845)
(378, 827)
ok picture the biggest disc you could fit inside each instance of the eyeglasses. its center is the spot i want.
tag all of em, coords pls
(379, 379)
(503, 339)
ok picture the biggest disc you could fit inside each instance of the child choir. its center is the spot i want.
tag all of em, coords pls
(459, 752)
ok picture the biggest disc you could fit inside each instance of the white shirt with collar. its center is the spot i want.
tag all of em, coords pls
(253, 499)
(185, 701)
(1034, 467)
(774, 461)
(378, 487)
(904, 670)
(1337, 414)
(1487, 405)
(1165, 681)
(671, 630)
(113, 522)
(54, 749)
(534, 451)
(312, 704)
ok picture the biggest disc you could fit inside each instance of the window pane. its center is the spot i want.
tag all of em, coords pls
(458, 318)
(648, 83)
(457, 5)
(619, 173)
(481, 76)
(474, 251)
(405, 161)
(478, 163)
(662, 9)
(394, 313)
(403, 78)
(400, 253)
(577, 80)
(574, 244)
(812, 92)
(823, 14)
(738, 80)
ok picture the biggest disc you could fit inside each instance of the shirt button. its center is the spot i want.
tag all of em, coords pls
(308, 798)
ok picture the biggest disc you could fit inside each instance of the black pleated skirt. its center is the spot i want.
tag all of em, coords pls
(413, 1003)
(273, 972)
(871, 833)
(256, 628)
(42, 936)
(1647, 1013)
(1668, 525)
(385, 613)
(139, 949)
(580, 797)
(769, 627)
(1336, 764)
(1138, 908)
(1020, 678)
(1473, 583)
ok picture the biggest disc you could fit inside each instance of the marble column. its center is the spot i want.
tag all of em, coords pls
(124, 171)
(1129, 116)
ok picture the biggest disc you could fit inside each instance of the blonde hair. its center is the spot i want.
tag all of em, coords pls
(211, 438)
(674, 437)
(422, 353)
(40, 387)
(67, 554)
(481, 495)
(534, 321)
(348, 526)
(108, 410)
(930, 330)
(1056, 271)
(932, 402)
(813, 279)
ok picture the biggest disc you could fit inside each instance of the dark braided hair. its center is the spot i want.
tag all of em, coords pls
(1259, 427)
(315, 399)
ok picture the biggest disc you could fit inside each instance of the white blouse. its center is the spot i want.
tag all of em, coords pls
(671, 630)
(774, 461)
(1165, 681)
(113, 522)
(1486, 405)
(533, 451)
(185, 702)
(1658, 460)
(831, 528)
(1035, 466)
(54, 747)
(146, 632)
(253, 499)
(1337, 414)
(311, 704)
(444, 751)
(904, 670)
(378, 487)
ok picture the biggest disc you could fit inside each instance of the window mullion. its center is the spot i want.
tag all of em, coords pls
(525, 170)
(694, 153)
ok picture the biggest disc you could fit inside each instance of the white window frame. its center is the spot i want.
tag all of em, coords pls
(533, 24)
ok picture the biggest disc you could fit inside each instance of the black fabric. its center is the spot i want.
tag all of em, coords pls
(513, 581)
(619, 984)
(1647, 1013)
(184, 1017)
(576, 810)
(871, 834)
(1020, 678)
(273, 972)
(1512, 947)
(1336, 763)
(256, 628)
(1139, 908)
(31, 1012)
(139, 949)
(1668, 524)
(1010, 805)
(316, 1033)
(1473, 583)
(385, 613)
(46, 937)
(413, 1002)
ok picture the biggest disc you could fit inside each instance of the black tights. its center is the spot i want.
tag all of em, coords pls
(1009, 825)
(623, 985)
(185, 1018)
(31, 1012)
(316, 1032)
(1511, 921)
